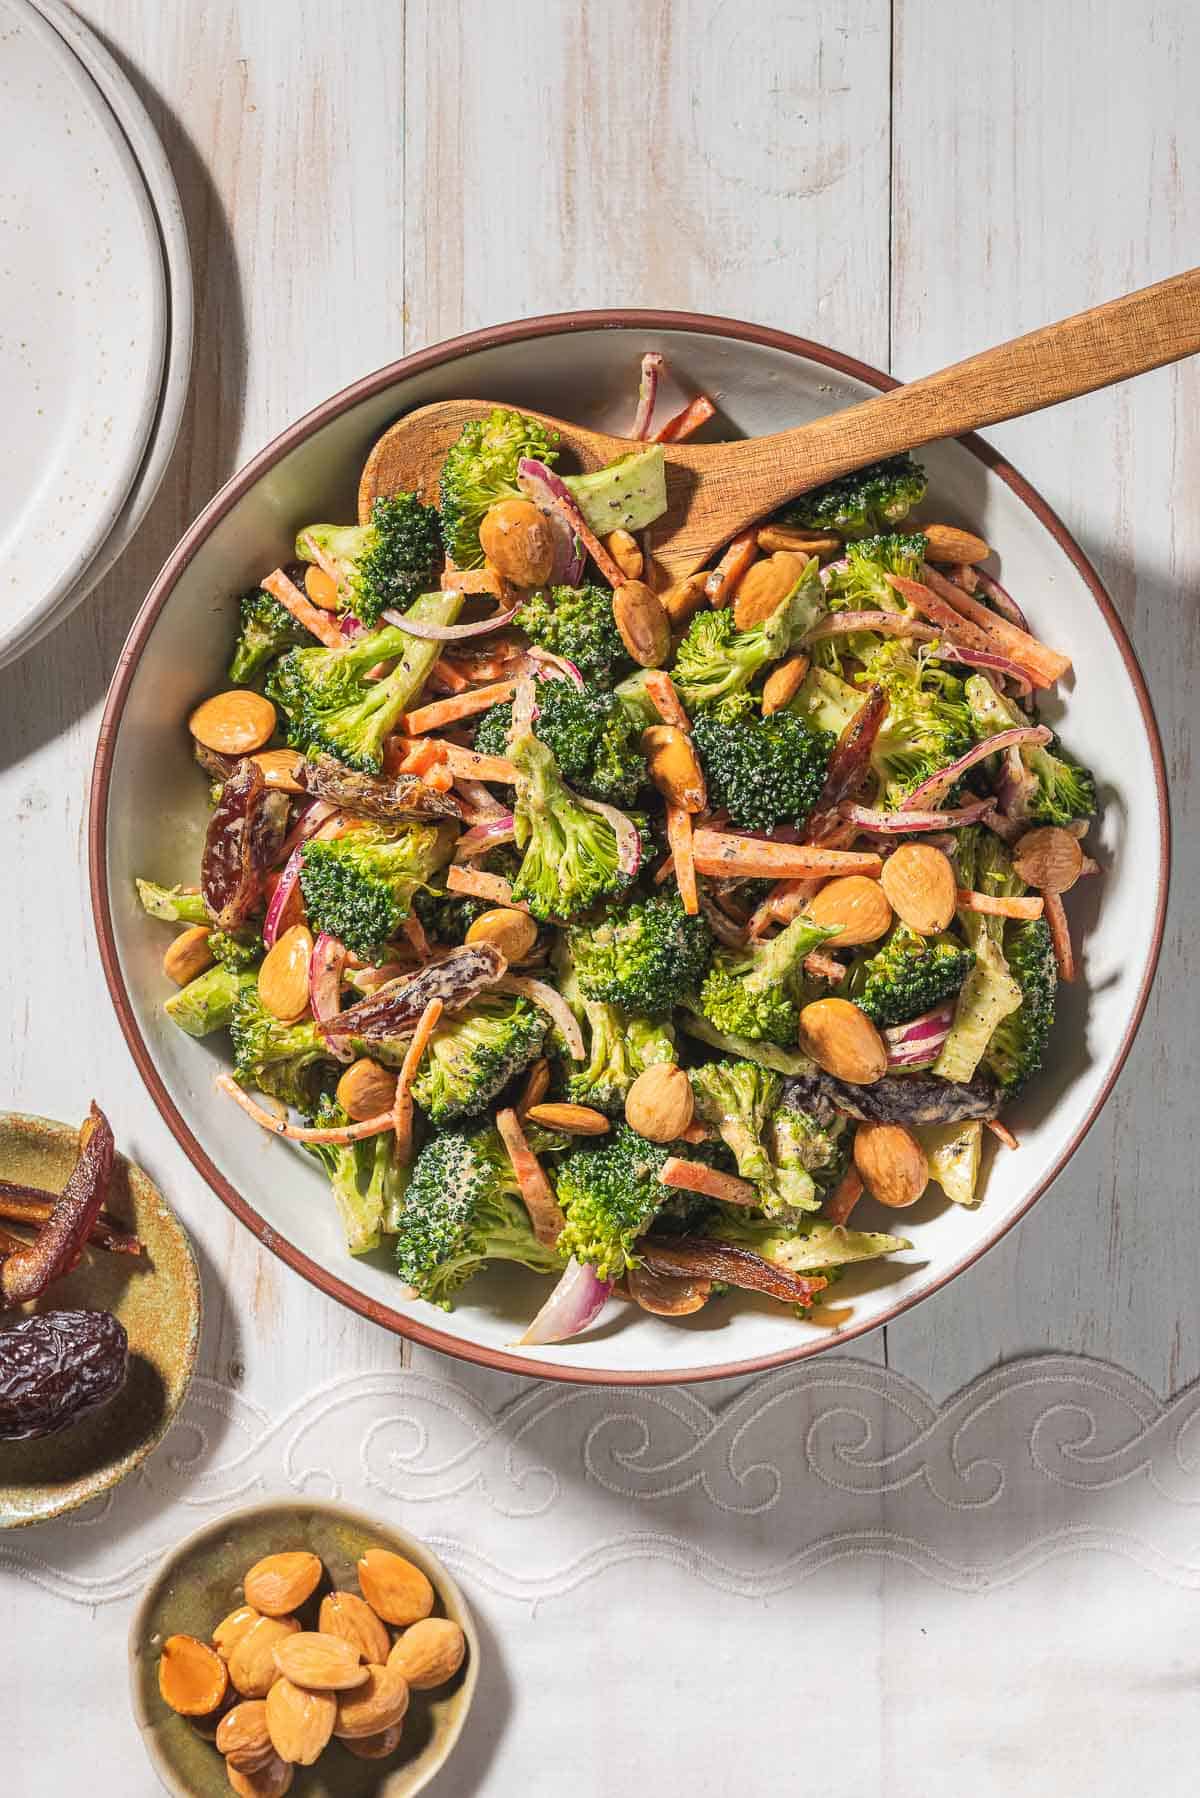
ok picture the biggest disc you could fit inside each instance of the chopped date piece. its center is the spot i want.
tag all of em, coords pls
(848, 764)
(896, 1099)
(394, 796)
(27, 1271)
(396, 1008)
(244, 836)
(56, 1367)
(700, 1258)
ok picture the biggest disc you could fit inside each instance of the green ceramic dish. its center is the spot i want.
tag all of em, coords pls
(200, 1582)
(156, 1296)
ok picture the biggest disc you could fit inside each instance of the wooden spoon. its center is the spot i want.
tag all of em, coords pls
(716, 489)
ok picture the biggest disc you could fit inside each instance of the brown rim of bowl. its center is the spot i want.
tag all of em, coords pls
(519, 330)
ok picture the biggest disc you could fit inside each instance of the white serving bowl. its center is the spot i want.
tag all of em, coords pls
(148, 818)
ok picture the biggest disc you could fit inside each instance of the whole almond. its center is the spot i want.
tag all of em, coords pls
(279, 1584)
(321, 588)
(859, 905)
(809, 543)
(660, 1104)
(642, 621)
(537, 1085)
(919, 881)
(366, 1089)
(517, 540)
(783, 683)
(281, 769)
(243, 1737)
(231, 1629)
(233, 723)
(377, 1747)
(764, 585)
(429, 1653)
(252, 1668)
(283, 976)
(320, 1663)
(395, 1589)
(842, 1039)
(673, 766)
(576, 1120)
(271, 1781)
(379, 1704)
(347, 1615)
(683, 599)
(622, 546)
(192, 1677)
(892, 1163)
(188, 954)
(946, 543)
(300, 1721)
(1049, 859)
(512, 932)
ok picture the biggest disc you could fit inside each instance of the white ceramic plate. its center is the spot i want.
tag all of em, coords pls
(83, 312)
(149, 814)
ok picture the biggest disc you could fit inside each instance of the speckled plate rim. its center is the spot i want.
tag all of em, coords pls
(518, 331)
(189, 1354)
(417, 1550)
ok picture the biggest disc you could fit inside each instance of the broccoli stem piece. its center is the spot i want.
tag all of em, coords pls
(172, 904)
(207, 1003)
(570, 855)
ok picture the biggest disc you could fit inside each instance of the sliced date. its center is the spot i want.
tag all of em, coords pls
(896, 1099)
(56, 1367)
(26, 1272)
(395, 1008)
(376, 796)
(244, 836)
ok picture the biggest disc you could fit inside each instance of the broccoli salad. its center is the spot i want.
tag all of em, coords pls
(631, 932)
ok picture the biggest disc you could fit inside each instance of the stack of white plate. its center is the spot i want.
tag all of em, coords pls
(95, 316)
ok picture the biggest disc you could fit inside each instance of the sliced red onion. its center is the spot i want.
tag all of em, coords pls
(325, 984)
(284, 889)
(652, 367)
(559, 496)
(552, 667)
(551, 1001)
(931, 790)
(535, 481)
(481, 801)
(308, 822)
(918, 1043)
(886, 624)
(350, 626)
(482, 837)
(1015, 788)
(1007, 828)
(449, 633)
(1003, 601)
(993, 664)
(629, 841)
(576, 1301)
(892, 823)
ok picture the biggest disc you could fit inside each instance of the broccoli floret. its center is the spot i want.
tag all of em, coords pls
(331, 706)
(873, 499)
(1061, 790)
(643, 958)
(265, 630)
(172, 904)
(753, 992)
(207, 1003)
(362, 1176)
(620, 1047)
(360, 887)
(286, 1061)
(480, 470)
(764, 771)
(460, 1211)
(775, 1149)
(907, 975)
(862, 582)
(383, 564)
(1014, 1053)
(449, 916)
(766, 1055)
(804, 1247)
(577, 623)
(927, 726)
(240, 950)
(475, 1053)
(716, 661)
(594, 739)
(608, 1195)
(570, 855)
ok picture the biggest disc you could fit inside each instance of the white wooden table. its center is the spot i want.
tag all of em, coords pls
(908, 181)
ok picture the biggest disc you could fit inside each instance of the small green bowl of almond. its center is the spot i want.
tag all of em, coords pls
(301, 1647)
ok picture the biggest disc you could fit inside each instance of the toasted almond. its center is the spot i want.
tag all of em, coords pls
(859, 905)
(765, 585)
(188, 954)
(283, 978)
(843, 1040)
(233, 723)
(320, 1663)
(300, 1721)
(366, 1089)
(271, 1781)
(809, 543)
(537, 1085)
(919, 881)
(674, 767)
(625, 552)
(576, 1120)
(281, 768)
(321, 588)
(395, 1589)
(429, 1653)
(192, 1677)
(243, 1737)
(642, 622)
(891, 1162)
(232, 1628)
(378, 1704)
(512, 932)
(946, 543)
(1049, 859)
(252, 1668)
(208, 1725)
(347, 1615)
(660, 1104)
(683, 599)
(377, 1747)
(783, 683)
(517, 541)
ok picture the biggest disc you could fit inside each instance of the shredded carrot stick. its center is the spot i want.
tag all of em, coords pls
(421, 756)
(1060, 936)
(660, 688)
(721, 583)
(439, 778)
(947, 618)
(693, 1176)
(995, 907)
(449, 676)
(1043, 665)
(540, 1202)
(303, 611)
(402, 1112)
(463, 705)
(754, 858)
(843, 1198)
(786, 900)
(414, 930)
(664, 871)
(300, 1133)
(535, 1085)
(681, 838)
(697, 412)
(474, 580)
(466, 762)
(1003, 1133)
(474, 881)
(696, 1132)
(824, 967)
